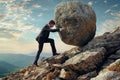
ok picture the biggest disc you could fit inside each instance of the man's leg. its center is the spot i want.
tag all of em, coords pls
(38, 53)
(52, 43)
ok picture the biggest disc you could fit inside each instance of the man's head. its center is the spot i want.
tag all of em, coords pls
(51, 23)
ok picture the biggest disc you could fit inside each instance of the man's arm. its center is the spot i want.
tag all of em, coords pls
(53, 30)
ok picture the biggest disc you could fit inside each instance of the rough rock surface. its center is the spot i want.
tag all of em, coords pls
(98, 60)
(112, 72)
(77, 19)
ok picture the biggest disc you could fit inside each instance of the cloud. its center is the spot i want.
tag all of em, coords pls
(36, 6)
(16, 32)
(2, 16)
(13, 46)
(40, 14)
(8, 33)
(27, 0)
(11, 21)
(25, 18)
(90, 3)
(18, 7)
(115, 5)
(116, 14)
(45, 9)
(5, 1)
(105, 1)
(14, 37)
(109, 24)
(108, 10)
(13, 30)
(17, 28)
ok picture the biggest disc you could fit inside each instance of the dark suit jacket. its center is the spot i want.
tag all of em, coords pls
(44, 34)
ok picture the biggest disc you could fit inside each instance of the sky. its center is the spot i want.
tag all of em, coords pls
(22, 20)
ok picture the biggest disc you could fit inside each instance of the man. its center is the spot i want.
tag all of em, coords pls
(43, 37)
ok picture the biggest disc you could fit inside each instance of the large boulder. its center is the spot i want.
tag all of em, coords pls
(79, 21)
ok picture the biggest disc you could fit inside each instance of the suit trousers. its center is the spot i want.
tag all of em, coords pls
(41, 43)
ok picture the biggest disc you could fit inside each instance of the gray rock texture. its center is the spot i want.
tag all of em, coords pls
(112, 72)
(79, 21)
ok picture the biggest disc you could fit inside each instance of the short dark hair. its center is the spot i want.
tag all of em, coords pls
(52, 22)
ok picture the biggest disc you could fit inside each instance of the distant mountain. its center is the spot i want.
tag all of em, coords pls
(19, 60)
(13, 62)
(6, 68)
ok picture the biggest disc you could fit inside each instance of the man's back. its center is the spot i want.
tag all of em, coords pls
(44, 34)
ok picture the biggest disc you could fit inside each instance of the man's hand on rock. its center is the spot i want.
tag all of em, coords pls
(62, 28)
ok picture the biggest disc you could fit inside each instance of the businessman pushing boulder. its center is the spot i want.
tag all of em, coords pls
(43, 37)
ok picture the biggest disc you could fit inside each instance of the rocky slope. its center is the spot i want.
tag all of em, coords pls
(98, 60)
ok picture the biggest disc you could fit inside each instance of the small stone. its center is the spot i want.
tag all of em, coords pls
(118, 52)
(23, 70)
(114, 57)
(26, 74)
(115, 66)
(68, 75)
(87, 76)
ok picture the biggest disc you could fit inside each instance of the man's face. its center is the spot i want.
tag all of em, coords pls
(51, 25)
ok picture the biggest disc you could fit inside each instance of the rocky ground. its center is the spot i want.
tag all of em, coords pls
(98, 60)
